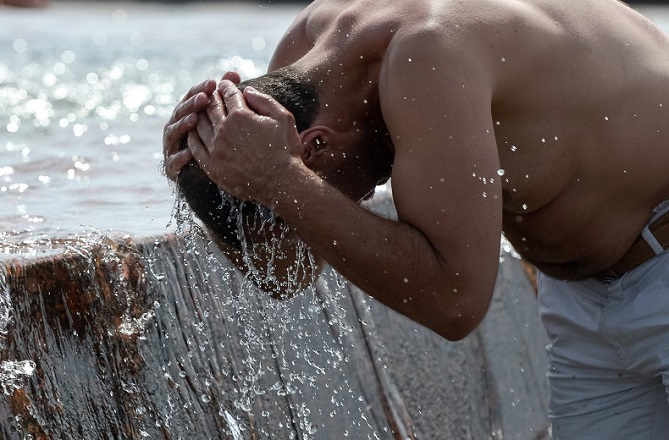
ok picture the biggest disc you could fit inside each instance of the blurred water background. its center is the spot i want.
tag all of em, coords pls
(85, 90)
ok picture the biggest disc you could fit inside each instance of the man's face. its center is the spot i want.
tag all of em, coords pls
(347, 170)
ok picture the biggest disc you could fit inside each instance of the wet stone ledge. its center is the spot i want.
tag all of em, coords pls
(162, 339)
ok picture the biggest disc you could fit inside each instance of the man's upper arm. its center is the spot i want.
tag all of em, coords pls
(293, 45)
(436, 102)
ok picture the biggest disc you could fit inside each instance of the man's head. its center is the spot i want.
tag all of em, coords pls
(353, 160)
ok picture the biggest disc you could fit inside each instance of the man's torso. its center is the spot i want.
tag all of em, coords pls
(580, 108)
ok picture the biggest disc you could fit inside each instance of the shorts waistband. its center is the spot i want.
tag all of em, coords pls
(654, 239)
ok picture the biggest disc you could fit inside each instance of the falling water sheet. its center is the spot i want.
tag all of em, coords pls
(164, 338)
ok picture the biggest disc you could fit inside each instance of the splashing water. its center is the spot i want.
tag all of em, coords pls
(83, 115)
(264, 324)
(5, 307)
(235, 431)
(13, 373)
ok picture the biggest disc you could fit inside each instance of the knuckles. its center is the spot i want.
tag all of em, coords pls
(169, 135)
(287, 117)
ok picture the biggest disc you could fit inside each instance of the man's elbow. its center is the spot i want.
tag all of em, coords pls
(457, 329)
(459, 318)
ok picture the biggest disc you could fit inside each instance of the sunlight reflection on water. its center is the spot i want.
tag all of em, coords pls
(84, 106)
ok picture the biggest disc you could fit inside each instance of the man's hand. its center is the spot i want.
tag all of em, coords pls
(246, 143)
(184, 119)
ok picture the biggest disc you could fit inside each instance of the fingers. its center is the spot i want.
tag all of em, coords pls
(184, 118)
(199, 151)
(207, 86)
(175, 133)
(205, 130)
(195, 100)
(215, 108)
(175, 162)
(211, 118)
(265, 105)
(232, 97)
(232, 76)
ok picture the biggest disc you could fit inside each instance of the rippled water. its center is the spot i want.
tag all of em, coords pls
(85, 90)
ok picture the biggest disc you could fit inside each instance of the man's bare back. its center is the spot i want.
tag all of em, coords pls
(580, 105)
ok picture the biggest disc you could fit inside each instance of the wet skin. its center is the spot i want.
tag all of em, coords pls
(544, 120)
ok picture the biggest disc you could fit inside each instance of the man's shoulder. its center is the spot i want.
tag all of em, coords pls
(469, 26)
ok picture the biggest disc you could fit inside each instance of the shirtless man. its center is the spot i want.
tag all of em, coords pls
(547, 121)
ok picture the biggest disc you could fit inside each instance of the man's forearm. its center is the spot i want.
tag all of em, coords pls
(392, 261)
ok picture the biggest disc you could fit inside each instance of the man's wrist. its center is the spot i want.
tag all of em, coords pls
(292, 184)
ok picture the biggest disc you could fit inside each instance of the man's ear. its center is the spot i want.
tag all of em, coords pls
(315, 141)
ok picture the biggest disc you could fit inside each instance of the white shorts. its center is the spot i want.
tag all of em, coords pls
(608, 354)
